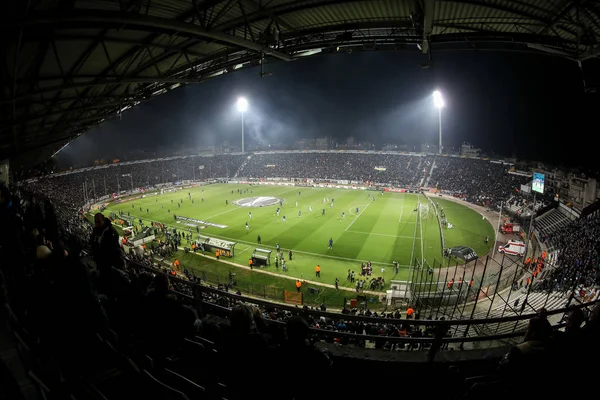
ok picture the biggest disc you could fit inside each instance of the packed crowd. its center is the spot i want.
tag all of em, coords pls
(577, 260)
(477, 181)
(394, 169)
(468, 178)
(74, 188)
(75, 322)
(218, 296)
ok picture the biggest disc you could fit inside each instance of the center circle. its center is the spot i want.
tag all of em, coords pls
(259, 201)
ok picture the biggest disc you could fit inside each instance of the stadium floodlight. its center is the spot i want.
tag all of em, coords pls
(438, 102)
(242, 106)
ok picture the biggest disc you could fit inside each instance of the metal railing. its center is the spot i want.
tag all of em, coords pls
(468, 333)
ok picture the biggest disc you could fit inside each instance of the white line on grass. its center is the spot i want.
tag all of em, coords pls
(224, 212)
(352, 209)
(305, 252)
(273, 247)
(357, 217)
(381, 234)
(415, 237)
(240, 252)
(237, 208)
(422, 243)
(401, 210)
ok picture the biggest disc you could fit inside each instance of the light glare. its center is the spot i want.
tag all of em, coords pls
(242, 104)
(438, 100)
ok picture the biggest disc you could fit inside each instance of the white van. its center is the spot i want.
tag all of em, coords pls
(513, 248)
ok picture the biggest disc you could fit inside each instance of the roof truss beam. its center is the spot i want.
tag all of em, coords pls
(113, 39)
(501, 7)
(428, 9)
(278, 11)
(149, 23)
(103, 82)
(560, 15)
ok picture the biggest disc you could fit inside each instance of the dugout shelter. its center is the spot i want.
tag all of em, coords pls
(211, 245)
(261, 257)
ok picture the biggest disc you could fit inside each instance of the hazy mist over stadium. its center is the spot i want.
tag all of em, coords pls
(533, 107)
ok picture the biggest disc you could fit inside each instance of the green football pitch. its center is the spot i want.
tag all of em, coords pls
(377, 228)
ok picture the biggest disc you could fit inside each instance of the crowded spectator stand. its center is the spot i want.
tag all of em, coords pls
(73, 322)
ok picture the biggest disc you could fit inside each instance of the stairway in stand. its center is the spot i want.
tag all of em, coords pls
(241, 168)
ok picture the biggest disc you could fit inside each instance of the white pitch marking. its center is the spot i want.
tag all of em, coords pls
(401, 210)
(381, 234)
(236, 208)
(272, 247)
(240, 252)
(358, 216)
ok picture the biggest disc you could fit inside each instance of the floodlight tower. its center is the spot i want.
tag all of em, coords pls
(438, 102)
(242, 106)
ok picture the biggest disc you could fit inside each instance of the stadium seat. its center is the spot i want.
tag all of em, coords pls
(191, 389)
(159, 390)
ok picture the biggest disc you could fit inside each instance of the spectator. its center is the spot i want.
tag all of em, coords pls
(300, 355)
(534, 354)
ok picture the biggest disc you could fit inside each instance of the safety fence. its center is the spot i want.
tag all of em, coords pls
(440, 334)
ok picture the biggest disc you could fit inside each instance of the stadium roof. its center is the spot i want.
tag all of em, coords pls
(69, 65)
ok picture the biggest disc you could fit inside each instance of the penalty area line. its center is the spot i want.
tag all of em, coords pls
(357, 217)
(401, 210)
(265, 246)
(380, 234)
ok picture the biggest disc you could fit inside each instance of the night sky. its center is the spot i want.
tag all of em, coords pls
(505, 103)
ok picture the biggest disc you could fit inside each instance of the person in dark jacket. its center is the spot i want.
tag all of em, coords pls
(106, 250)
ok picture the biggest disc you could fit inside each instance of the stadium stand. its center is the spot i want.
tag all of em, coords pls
(127, 332)
(467, 178)
(576, 245)
(115, 178)
(523, 206)
(552, 221)
(472, 179)
(406, 171)
(106, 327)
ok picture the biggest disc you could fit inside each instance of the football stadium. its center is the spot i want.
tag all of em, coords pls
(303, 219)
(154, 246)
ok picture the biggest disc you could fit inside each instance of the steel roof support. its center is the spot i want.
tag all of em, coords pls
(132, 42)
(566, 9)
(94, 106)
(105, 81)
(593, 53)
(107, 18)
(277, 10)
(428, 9)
